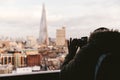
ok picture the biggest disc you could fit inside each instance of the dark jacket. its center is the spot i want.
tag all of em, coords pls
(109, 68)
(82, 65)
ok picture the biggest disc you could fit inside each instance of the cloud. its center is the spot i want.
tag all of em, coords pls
(79, 16)
(83, 25)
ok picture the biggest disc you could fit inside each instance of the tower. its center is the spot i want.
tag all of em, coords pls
(60, 37)
(43, 34)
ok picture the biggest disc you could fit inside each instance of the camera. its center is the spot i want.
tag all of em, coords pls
(82, 41)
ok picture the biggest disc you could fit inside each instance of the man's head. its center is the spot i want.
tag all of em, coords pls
(105, 39)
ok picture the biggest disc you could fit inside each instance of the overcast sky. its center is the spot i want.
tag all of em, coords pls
(80, 17)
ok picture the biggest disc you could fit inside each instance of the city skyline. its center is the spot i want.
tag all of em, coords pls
(22, 17)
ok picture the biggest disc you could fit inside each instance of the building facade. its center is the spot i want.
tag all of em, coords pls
(20, 60)
(43, 34)
(60, 37)
(34, 60)
(6, 59)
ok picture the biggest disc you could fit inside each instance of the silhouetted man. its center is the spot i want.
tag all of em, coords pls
(82, 65)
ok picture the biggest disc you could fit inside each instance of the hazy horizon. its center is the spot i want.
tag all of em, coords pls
(21, 18)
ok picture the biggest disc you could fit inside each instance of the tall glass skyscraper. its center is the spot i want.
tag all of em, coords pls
(43, 34)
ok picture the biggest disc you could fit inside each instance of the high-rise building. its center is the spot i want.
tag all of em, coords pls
(60, 37)
(43, 34)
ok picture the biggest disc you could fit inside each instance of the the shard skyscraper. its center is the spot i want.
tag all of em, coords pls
(43, 34)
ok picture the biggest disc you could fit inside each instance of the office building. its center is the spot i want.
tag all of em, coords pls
(60, 37)
(43, 34)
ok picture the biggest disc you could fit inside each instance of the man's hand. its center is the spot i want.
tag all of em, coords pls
(72, 46)
(72, 49)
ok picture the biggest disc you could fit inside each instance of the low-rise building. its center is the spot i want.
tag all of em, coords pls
(34, 60)
(6, 58)
(6, 69)
(24, 70)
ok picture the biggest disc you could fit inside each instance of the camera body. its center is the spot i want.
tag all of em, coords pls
(82, 41)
